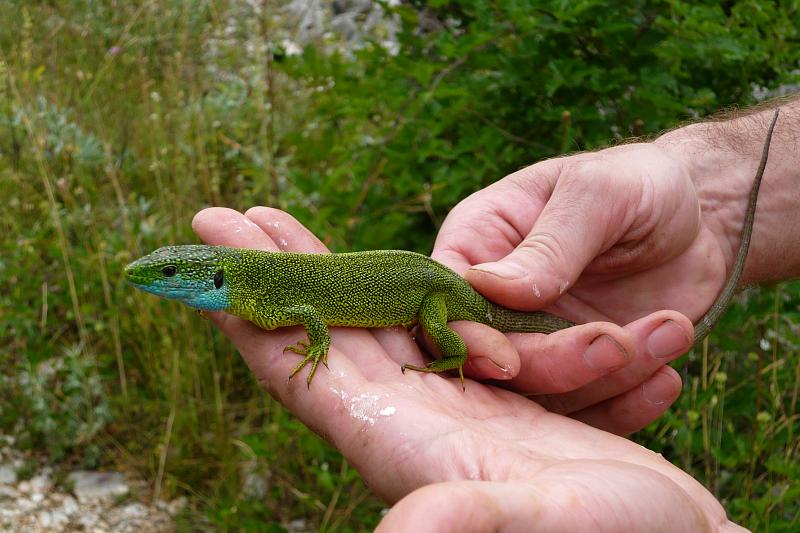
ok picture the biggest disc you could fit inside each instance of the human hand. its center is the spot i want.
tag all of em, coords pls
(603, 238)
(484, 458)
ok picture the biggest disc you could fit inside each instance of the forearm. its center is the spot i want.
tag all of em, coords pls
(722, 158)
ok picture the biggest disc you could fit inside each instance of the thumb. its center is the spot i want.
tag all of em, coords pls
(582, 219)
(583, 500)
(473, 506)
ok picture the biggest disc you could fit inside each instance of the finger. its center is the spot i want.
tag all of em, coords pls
(491, 355)
(584, 215)
(615, 496)
(571, 358)
(489, 224)
(289, 234)
(632, 410)
(658, 339)
(400, 344)
(221, 226)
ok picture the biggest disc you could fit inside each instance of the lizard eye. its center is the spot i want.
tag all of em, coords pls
(169, 270)
(219, 277)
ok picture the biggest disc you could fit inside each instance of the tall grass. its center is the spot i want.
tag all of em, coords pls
(116, 125)
(118, 121)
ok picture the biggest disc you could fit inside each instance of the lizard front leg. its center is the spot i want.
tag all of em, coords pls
(433, 320)
(319, 340)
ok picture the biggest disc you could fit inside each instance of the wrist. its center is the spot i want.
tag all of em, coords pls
(722, 159)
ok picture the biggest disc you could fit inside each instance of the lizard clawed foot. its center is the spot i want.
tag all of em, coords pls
(435, 367)
(300, 348)
(311, 353)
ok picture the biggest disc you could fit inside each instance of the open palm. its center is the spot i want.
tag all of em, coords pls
(483, 458)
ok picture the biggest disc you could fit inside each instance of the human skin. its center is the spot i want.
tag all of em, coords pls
(448, 459)
(617, 235)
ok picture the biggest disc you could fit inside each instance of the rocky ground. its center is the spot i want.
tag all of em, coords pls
(85, 501)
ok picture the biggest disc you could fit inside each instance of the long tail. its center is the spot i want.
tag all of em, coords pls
(710, 319)
(517, 321)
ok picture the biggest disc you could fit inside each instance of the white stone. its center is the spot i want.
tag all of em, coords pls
(97, 485)
(177, 505)
(8, 492)
(60, 518)
(254, 482)
(136, 510)
(41, 483)
(298, 526)
(52, 520)
(8, 474)
(70, 506)
(87, 519)
(24, 504)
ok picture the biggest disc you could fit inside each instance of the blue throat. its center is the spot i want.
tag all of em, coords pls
(193, 294)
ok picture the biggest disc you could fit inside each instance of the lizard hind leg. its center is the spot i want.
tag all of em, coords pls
(433, 320)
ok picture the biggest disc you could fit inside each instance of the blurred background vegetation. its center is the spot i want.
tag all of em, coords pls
(367, 121)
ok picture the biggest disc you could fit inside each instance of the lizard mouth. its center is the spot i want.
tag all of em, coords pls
(147, 283)
(132, 278)
(136, 279)
(172, 288)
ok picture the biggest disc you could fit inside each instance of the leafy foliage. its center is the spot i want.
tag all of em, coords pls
(119, 121)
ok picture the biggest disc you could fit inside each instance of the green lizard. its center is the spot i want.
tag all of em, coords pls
(364, 289)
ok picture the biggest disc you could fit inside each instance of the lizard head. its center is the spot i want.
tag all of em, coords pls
(192, 274)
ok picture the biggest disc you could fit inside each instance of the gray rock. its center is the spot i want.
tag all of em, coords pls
(255, 481)
(88, 519)
(69, 506)
(136, 510)
(90, 486)
(8, 474)
(24, 504)
(41, 483)
(299, 525)
(51, 520)
(177, 505)
(8, 492)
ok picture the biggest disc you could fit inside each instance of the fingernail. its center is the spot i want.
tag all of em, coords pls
(667, 340)
(659, 389)
(505, 270)
(490, 369)
(604, 353)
